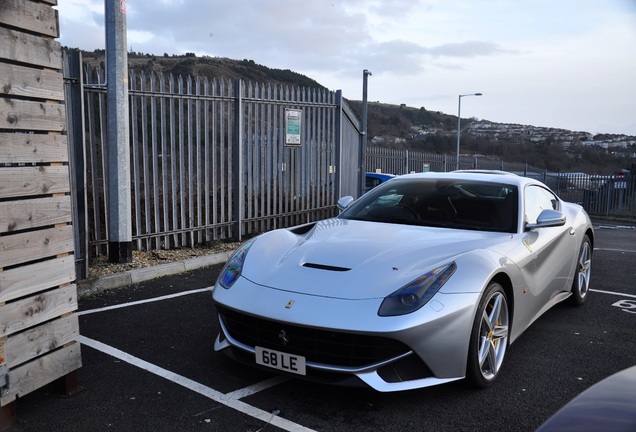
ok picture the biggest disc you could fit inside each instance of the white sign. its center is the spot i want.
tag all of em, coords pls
(293, 127)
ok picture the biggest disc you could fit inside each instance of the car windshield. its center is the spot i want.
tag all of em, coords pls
(440, 202)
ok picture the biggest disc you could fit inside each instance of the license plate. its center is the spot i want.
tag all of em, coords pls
(280, 360)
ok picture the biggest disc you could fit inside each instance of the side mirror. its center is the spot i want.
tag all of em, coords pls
(344, 202)
(548, 218)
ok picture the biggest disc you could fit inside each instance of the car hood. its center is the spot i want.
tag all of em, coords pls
(354, 259)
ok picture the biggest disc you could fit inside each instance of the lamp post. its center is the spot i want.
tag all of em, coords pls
(362, 163)
(459, 120)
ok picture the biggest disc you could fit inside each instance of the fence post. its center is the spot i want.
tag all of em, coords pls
(237, 163)
(406, 158)
(119, 194)
(338, 143)
(74, 89)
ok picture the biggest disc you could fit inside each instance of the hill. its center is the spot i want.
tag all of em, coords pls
(211, 67)
(554, 149)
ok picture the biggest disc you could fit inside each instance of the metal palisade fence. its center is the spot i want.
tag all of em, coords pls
(213, 159)
(612, 195)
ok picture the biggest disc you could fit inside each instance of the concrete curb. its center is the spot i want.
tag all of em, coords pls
(130, 277)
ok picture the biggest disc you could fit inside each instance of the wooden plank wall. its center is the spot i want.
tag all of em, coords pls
(38, 297)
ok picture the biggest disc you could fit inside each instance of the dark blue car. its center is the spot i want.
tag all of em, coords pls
(374, 179)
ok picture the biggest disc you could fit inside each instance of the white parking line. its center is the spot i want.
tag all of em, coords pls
(614, 293)
(248, 391)
(614, 250)
(150, 300)
(225, 399)
(230, 399)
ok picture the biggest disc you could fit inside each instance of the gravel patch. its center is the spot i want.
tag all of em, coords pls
(99, 266)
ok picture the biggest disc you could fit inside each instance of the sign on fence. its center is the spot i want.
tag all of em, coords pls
(293, 127)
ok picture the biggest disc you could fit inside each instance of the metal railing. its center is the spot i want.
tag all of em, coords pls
(606, 196)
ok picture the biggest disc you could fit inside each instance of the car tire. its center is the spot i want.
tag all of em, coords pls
(489, 337)
(581, 282)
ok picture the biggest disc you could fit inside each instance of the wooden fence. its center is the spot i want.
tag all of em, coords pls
(38, 327)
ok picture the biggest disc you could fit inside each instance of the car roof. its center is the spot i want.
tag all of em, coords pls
(477, 175)
(380, 175)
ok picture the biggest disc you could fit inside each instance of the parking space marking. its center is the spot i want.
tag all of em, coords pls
(248, 391)
(615, 250)
(628, 306)
(216, 396)
(150, 300)
(614, 293)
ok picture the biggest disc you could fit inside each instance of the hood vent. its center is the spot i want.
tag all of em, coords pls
(326, 267)
(303, 229)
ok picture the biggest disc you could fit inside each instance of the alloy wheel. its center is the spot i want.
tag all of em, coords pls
(493, 335)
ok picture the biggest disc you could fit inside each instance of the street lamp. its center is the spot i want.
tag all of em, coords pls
(362, 163)
(459, 120)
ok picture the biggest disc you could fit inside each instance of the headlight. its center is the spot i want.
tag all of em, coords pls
(416, 294)
(234, 266)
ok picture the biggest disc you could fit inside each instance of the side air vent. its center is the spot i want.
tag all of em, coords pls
(326, 267)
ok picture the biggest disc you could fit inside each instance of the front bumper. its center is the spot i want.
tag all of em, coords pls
(342, 339)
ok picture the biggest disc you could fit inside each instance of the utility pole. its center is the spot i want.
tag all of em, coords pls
(363, 144)
(118, 199)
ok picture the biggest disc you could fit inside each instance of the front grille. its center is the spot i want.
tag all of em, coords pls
(316, 345)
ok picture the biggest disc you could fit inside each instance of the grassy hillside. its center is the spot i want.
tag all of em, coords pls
(211, 67)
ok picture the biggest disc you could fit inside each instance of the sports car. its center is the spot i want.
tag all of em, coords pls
(425, 279)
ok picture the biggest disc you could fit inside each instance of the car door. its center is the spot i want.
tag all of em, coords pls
(552, 249)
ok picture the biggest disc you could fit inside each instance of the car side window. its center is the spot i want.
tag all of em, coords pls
(371, 182)
(536, 200)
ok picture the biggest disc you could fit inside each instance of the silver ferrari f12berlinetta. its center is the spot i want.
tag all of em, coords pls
(425, 279)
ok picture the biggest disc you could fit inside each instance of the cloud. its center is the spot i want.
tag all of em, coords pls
(564, 64)
(82, 24)
(285, 34)
(468, 49)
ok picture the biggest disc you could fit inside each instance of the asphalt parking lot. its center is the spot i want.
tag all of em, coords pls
(149, 364)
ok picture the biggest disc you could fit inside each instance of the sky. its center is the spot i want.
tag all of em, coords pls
(567, 64)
